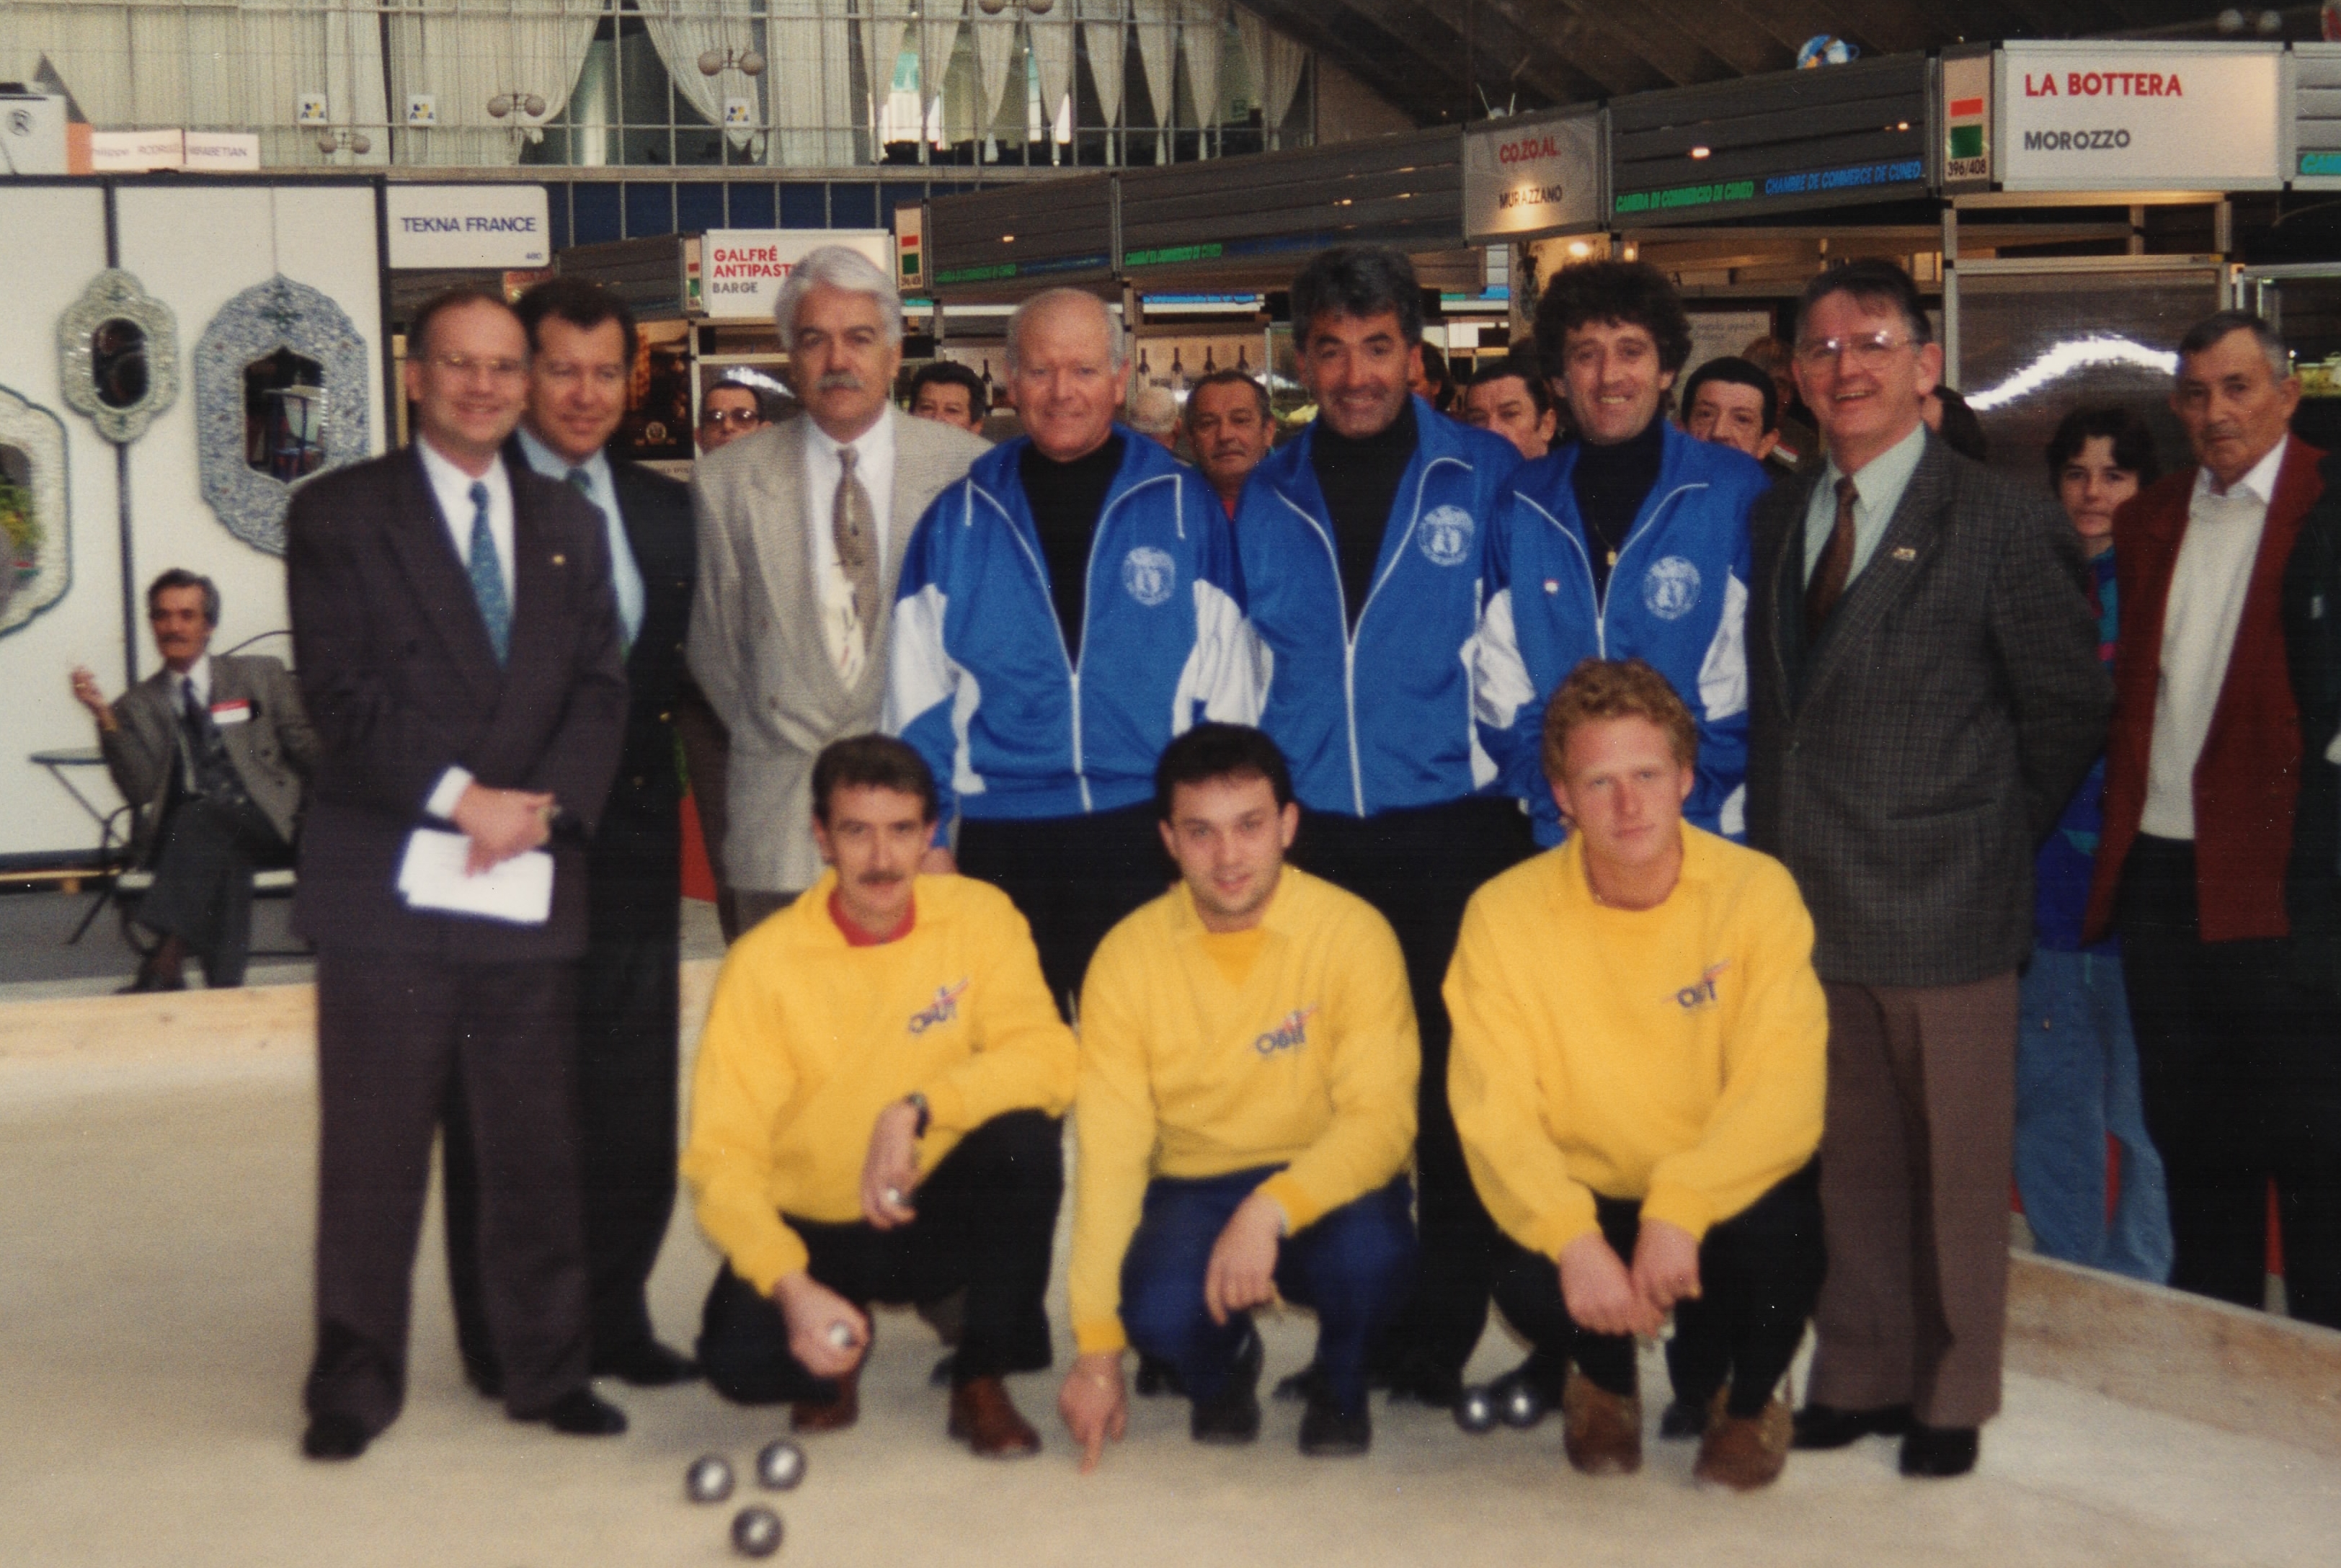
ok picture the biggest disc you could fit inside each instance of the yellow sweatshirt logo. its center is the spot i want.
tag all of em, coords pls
(942, 1010)
(1288, 1036)
(1690, 999)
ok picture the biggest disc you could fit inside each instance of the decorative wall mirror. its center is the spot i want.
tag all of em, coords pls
(118, 353)
(35, 529)
(280, 394)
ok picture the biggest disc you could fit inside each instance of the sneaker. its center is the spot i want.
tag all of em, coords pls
(1744, 1451)
(1329, 1432)
(1232, 1414)
(1604, 1435)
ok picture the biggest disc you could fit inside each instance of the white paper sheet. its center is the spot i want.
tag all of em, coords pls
(431, 877)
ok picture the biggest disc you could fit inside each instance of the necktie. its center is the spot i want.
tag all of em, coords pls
(856, 532)
(488, 576)
(209, 770)
(1827, 585)
(580, 482)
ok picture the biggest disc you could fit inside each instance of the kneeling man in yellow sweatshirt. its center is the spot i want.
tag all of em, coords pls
(873, 1118)
(1638, 1079)
(1244, 1117)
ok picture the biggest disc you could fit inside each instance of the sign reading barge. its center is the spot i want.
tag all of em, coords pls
(1839, 135)
(2114, 116)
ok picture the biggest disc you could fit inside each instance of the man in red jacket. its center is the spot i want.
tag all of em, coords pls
(2202, 768)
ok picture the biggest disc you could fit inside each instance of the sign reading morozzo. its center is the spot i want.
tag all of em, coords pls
(2136, 116)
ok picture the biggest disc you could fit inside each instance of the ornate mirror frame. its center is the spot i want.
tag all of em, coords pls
(40, 435)
(114, 294)
(276, 314)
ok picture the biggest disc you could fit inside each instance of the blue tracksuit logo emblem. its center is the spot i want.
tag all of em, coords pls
(1288, 1036)
(1150, 574)
(1670, 587)
(1445, 534)
(941, 1010)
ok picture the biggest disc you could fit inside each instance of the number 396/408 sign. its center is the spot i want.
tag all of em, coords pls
(2125, 115)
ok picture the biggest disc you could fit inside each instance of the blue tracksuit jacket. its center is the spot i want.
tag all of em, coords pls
(979, 679)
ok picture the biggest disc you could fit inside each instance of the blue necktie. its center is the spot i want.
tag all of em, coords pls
(488, 576)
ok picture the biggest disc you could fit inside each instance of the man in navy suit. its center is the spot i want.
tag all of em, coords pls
(458, 647)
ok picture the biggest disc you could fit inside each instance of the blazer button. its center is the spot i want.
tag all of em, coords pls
(665, 717)
(638, 781)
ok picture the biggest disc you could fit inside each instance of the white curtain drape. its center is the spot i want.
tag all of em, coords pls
(208, 68)
(810, 84)
(938, 25)
(1275, 61)
(466, 58)
(1201, 34)
(995, 46)
(883, 24)
(1157, 26)
(1052, 48)
(683, 30)
(1102, 36)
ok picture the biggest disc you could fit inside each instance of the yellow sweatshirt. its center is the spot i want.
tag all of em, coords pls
(1673, 1054)
(1308, 1061)
(809, 1038)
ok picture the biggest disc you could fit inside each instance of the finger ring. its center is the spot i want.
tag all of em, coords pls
(894, 1197)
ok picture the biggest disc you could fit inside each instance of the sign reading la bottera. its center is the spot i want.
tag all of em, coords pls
(2114, 116)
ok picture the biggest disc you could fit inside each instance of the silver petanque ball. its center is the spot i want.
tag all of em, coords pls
(779, 1465)
(1522, 1405)
(1475, 1411)
(755, 1532)
(709, 1479)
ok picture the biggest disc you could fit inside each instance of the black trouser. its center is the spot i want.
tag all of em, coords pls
(1759, 1273)
(627, 1072)
(202, 881)
(1073, 878)
(392, 1030)
(987, 1216)
(2241, 1068)
(1419, 868)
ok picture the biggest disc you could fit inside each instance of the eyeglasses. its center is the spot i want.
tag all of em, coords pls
(1869, 350)
(465, 365)
(737, 418)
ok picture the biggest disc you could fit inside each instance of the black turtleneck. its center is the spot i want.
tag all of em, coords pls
(1065, 499)
(1359, 479)
(1612, 482)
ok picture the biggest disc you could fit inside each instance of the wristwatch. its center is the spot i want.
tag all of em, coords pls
(918, 1102)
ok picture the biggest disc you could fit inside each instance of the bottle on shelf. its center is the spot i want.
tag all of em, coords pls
(1211, 367)
(1243, 359)
(991, 393)
(1178, 371)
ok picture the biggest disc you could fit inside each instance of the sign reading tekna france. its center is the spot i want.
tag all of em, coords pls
(2113, 116)
(1525, 178)
(742, 270)
(483, 225)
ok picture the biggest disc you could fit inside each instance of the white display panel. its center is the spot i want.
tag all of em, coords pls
(2121, 116)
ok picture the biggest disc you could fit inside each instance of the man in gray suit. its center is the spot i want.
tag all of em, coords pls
(1927, 694)
(801, 529)
(211, 752)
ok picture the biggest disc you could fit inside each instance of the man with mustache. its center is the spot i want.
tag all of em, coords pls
(1926, 693)
(802, 529)
(1064, 610)
(873, 1118)
(2234, 1051)
(1230, 428)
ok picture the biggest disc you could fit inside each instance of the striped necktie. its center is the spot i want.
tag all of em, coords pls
(488, 576)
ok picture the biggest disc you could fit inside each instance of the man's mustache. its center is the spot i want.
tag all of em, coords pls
(839, 380)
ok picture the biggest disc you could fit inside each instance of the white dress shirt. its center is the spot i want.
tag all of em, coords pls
(842, 632)
(625, 573)
(2208, 584)
(451, 487)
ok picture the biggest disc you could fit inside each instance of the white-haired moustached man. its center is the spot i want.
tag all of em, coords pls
(801, 529)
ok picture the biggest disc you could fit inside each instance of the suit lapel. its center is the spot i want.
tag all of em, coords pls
(783, 546)
(443, 593)
(1788, 580)
(1911, 536)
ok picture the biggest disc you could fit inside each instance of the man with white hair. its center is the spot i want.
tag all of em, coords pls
(1154, 413)
(1064, 610)
(802, 529)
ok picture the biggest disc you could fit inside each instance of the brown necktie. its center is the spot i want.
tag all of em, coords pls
(1827, 584)
(856, 532)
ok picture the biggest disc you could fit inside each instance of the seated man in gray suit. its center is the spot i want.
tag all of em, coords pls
(802, 528)
(210, 752)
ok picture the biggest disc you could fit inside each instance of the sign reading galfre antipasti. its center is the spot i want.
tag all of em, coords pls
(2115, 117)
(742, 270)
(482, 225)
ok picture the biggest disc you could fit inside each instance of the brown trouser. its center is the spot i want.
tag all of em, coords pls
(1916, 1152)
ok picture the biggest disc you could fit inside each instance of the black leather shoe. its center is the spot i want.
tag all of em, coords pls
(1329, 1432)
(1158, 1375)
(1232, 1414)
(1937, 1453)
(334, 1435)
(581, 1414)
(1827, 1427)
(646, 1364)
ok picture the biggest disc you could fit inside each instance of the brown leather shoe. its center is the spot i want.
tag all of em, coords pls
(984, 1418)
(1604, 1434)
(830, 1415)
(1744, 1453)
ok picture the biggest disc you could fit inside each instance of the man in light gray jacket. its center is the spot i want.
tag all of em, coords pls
(802, 528)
